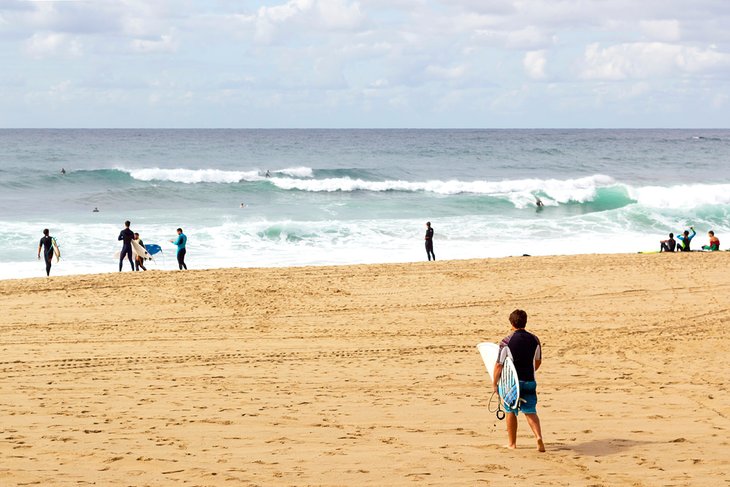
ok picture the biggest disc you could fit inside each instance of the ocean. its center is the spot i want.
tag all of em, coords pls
(354, 196)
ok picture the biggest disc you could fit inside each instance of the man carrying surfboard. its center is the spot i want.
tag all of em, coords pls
(48, 243)
(526, 353)
(139, 259)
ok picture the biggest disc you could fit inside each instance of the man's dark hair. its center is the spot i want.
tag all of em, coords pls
(711, 233)
(45, 232)
(671, 235)
(518, 318)
(127, 223)
(179, 229)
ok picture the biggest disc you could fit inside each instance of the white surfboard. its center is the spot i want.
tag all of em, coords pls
(56, 250)
(137, 249)
(489, 352)
(509, 384)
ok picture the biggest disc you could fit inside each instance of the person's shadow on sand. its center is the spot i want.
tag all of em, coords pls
(599, 448)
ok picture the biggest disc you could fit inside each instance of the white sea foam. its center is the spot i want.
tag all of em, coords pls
(192, 176)
(580, 189)
(296, 172)
(682, 196)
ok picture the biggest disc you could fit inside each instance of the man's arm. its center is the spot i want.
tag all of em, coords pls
(537, 364)
(497, 374)
(121, 236)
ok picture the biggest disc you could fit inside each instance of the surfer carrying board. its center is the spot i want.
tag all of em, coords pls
(138, 259)
(525, 350)
(126, 236)
(47, 243)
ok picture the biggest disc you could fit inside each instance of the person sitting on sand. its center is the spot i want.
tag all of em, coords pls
(714, 242)
(685, 238)
(668, 245)
(526, 353)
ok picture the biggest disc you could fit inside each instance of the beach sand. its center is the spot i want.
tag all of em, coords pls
(366, 375)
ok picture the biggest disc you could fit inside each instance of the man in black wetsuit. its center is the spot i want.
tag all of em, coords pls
(47, 244)
(429, 242)
(126, 236)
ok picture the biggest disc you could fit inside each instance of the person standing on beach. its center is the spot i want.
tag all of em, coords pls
(685, 238)
(181, 241)
(126, 236)
(429, 242)
(139, 260)
(526, 353)
(47, 244)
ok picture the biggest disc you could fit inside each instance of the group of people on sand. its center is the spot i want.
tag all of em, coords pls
(671, 245)
(127, 236)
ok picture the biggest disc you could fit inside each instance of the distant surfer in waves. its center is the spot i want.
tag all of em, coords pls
(429, 242)
(268, 174)
(95, 210)
(181, 241)
(63, 172)
(539, 203)
(526, 353)
(126, 236)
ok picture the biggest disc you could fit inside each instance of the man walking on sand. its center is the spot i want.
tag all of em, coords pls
(524, 349)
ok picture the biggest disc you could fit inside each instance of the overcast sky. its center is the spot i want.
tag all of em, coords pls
(366, 63)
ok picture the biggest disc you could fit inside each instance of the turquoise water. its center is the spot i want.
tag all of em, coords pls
(354, 196)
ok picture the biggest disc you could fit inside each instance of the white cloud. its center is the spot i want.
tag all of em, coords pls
(535, 63)
(42, 45)
(661, 30)
(164, 43)
(440, 72)
(648, 59)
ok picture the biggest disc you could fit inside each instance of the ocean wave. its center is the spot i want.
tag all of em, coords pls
(192, 176)
(581, 189)
(682, 196)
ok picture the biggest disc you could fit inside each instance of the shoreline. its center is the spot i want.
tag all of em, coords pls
(365, 374)
(336, 265)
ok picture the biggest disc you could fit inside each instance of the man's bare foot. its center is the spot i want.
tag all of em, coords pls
(511, 447)
(540, 446)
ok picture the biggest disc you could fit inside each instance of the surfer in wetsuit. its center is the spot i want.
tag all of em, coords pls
(47, 244)
(126, 236)
(526, 353)
(139, 260)
(181, 241)
(714, 242)
(429, 242)
(685, 238)
(668, 245)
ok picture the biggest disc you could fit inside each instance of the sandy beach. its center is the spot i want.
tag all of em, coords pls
(366, 375)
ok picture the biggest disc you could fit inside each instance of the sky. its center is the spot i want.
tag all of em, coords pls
(365, 64)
